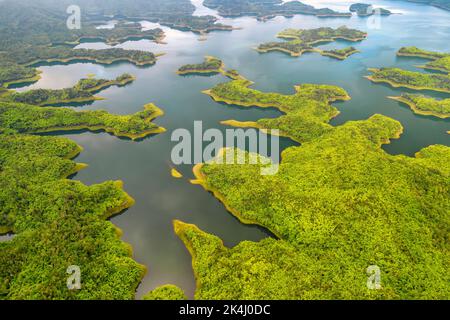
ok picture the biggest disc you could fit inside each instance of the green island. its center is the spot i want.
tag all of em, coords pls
(306, 113)
(211, 65)
(23, 118)
(267, 9)
(426, 105)
(166, 292)
(329, 207)
(440, 61)
(340, 54)
(409, 79)
(366, 10)
(303, 40)
(83, 91)
(58, 223)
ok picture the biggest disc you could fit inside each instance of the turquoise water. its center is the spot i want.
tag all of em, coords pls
(145, 166)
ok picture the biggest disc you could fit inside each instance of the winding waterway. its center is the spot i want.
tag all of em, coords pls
(145, 166)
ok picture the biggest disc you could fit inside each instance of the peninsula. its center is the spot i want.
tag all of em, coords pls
(426, 105)
(307, 112)
(440, 61)
(345, 164)
(50, 215)
(409, 79)
(82, 92)
(24, 118)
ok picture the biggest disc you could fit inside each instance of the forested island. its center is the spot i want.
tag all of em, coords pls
(303, 40)
(211, 65)
(23, 118)
(440, 61)
(266, 9)
(409, 79)
(427, 106)
(83, 91)
(366, 10)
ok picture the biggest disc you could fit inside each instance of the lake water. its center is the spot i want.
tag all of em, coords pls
(145, 166)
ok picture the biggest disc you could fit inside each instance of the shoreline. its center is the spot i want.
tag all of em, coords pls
(416, 110)
(93, 60)
(31, 80)
(200, 179)
(400, 85)
(157, 112)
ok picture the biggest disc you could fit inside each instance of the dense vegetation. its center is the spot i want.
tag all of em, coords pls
(265, 9)
(338, 204)
(59, 223)
(167, 292)
(440, 61)
(43, 22)
(364, 10)
(307, 112)
(414, 80)
(210, 65)
(83, 91)
(426, 105)
(303, 40)
(24, 118)
(34, 55)
(340, 54)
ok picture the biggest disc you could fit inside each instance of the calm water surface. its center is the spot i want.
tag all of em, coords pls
(145, 166)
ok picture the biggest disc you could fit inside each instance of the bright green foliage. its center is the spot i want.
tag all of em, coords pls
(265, 9)
(441, 61)
(167, 292)
(340, 53)
(338, 204)
(306, 112)
(417, 52)
(442, 64)
(410, 79)
(83, 91)
(210, 65)
(24, 118)
(427, 105)
(58, 223)
(303, 40)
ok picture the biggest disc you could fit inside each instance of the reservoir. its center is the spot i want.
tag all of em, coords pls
(145, 165)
